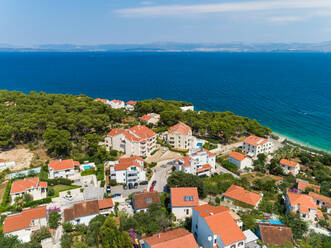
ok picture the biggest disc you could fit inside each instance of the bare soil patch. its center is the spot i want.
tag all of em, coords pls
(21, 156)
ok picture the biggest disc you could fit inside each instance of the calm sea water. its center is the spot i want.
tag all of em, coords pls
(289, 92)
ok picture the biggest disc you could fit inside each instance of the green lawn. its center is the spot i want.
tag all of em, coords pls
(59, 188)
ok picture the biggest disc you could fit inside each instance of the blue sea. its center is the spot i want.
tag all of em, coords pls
(289, 92)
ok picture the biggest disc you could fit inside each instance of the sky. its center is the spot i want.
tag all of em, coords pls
(91, 22)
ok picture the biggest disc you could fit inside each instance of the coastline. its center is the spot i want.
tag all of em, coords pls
(298, 142)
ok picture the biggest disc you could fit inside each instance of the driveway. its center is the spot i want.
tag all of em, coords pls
(161, 175)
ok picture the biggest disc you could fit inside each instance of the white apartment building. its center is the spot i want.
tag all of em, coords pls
(200, 162)
(25, 223)
(186, 108)
(116, 104)
(304, 205)
(180, 136)
(31, 186)
(138, 140)
(215, 227)
(254, 145)
(240, 160)
(62, 168)
(128, 170)
(290, 167)
(182, 200)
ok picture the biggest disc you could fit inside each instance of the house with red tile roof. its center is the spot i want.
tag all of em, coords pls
(240, 160)
(254, 145)
(237, 193)
(289, 166)
(275, 234)
(304, 205)
(62, 168)
(322, 201)
(215, 227)
(141, 201)
(138, 140)
(150, 118)
(32, 186)
(182, 200)
(180, 136)
(116, 104)
(128, 170)
(84, 212)
(175, 238)
(130, 105)
(105, 101)
(26, 222)
(302, 186)
(200, 162)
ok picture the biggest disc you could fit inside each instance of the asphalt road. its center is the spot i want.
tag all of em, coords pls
(125, 193)
(160, 175)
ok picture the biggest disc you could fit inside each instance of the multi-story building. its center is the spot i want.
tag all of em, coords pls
(200, 162)
(84, 212)
(31, 186)
(175, 238)
(25, 223)
(150, 118)
(321, 201)
(116, 104)
(130, 105)
(62, 168)
(128, 170)
(240, 160)
(180, 136)
(215, 227)
(138, 140)
(182, 200)
(254, 145)
(141, 201)
(289, 166)
(237, 193)
(304, 205)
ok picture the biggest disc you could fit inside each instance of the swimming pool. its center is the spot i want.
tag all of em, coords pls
(274, 222)
(87, 167)
(199, 144)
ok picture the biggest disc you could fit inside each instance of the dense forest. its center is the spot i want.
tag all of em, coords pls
(68, 122)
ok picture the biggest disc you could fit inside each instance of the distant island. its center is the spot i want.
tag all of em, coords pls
(175, 47)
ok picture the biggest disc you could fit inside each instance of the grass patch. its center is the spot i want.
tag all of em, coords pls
(59, 188)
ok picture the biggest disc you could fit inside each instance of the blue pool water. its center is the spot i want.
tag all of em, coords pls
(86, 167)
(289, 92)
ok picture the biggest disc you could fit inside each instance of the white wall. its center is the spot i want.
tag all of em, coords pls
(180, 212)
(83, 220)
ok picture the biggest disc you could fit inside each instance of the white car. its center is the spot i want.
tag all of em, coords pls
(68, 197)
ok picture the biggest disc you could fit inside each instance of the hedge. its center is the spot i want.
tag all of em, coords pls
(6, 198)
(37, 202)
(60, 180)
(88, 172)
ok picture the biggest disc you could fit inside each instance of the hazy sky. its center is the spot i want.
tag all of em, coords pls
(31, 22)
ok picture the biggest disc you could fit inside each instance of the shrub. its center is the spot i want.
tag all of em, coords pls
(42, 233)
(67, 226)
(57, 181)
(112, 182)
(6, 196)
(54, 219)
(37, 202)
(102, 184)
(217, 200)
(50, 192)
(66, 241)
(88, 172)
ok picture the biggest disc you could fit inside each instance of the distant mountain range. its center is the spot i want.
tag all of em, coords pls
(177, 47)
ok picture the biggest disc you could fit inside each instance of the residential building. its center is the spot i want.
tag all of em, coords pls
(130, 105)
(289, 166)
(251, 240)
(180, 136)
(186, 108)
(240, 160)
(62, 168)
(105, 101)
(128, 170)
(182, 200)
(274, 234)
(254, 146)
(302, 186)
(176, 238)
(150, 118)
(31, 186)
(138, 140)
(215, 227)
(116, 104)
(141, 201)
(25, 223)
(237, 193)
(200, 162)
(321, 201)
(304, 205)
(84, 212)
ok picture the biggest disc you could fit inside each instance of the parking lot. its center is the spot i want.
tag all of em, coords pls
(125, 193)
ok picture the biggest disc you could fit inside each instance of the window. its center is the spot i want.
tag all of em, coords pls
(148, 200)
(233, 246)
(196, 226)
(187, 211)
(188, 198)
(241, 243)
(133, 168)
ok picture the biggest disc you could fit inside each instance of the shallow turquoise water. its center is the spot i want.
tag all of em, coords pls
(289, 92)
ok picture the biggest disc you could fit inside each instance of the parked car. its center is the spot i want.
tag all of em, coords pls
(154, 183)
(164, 165)
(130, 185)
(68, 197)
(151, 188)
(135, 185)
(125, 187)
(108, 190)
(143, 183)
(116, 195)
